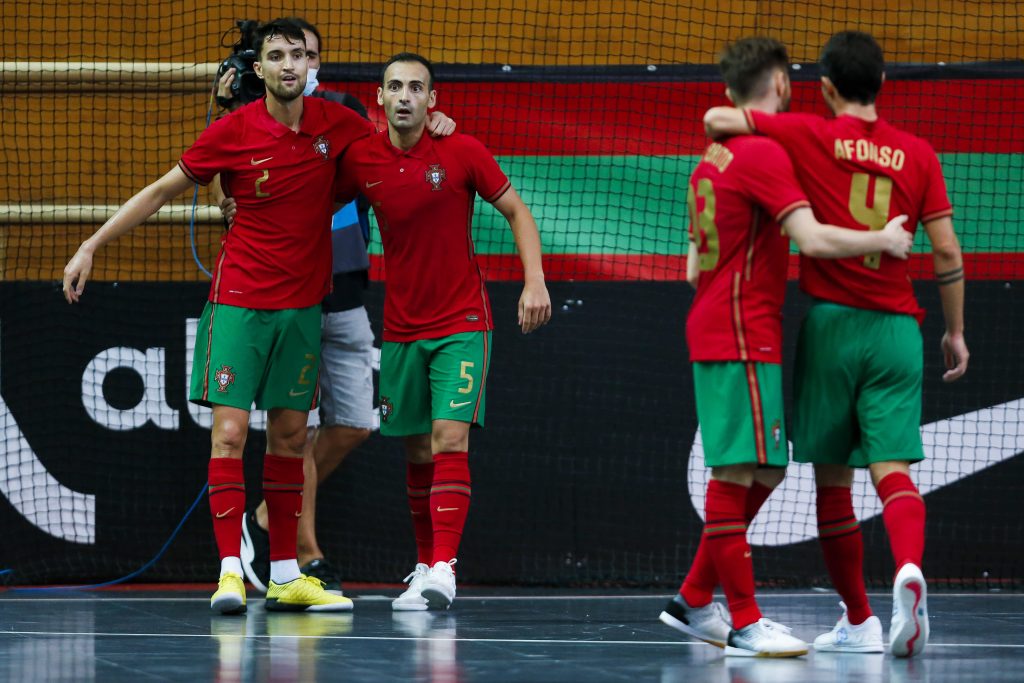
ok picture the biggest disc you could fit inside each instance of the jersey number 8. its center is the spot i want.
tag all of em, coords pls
(705, 233)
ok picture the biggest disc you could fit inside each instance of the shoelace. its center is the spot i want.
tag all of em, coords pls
(412, 575)
(774, 625)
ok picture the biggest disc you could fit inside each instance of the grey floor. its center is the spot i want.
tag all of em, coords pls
(490, 635)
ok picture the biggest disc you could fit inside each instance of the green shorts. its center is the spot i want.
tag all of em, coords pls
(739, 406)
(244, 355)
(433, 379)
(857, 387)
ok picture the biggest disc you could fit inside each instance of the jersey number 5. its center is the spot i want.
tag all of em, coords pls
(874, 216)
(705, 232)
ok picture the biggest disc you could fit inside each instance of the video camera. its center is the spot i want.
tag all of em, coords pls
(247, 86)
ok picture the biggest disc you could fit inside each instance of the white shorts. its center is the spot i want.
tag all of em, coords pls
(346, 371)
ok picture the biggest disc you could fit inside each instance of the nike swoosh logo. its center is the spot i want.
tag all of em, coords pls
(257, 162)
(453, 404)
(441, 509)
(221, 515)
(294, 394)
(369, 184)
(945, 443)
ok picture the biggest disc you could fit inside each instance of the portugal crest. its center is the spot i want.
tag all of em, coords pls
(435, 175)
(224, 377)
(386, 409)
(322, 147)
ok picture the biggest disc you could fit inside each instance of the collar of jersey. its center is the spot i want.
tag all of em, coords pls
(312, 113)
(420, 150)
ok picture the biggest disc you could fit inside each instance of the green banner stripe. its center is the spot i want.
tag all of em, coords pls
(636, 204)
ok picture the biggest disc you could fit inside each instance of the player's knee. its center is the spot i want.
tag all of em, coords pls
(228, 437)
(770, 476)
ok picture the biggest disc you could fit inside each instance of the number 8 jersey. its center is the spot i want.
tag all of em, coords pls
(740, 191)
(859, 174)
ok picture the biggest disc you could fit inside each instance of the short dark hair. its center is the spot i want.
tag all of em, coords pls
(278, 27)
(410, 57)
(853, 61)
(306, 26)
(747, 64)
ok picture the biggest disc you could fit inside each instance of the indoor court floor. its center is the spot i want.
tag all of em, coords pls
(489, 635)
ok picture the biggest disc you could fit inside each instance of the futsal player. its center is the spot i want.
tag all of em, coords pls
(739, 194)
(859, 360)
(437, 317)
(259, 335)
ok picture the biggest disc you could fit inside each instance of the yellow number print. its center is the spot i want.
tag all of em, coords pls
(875, 216)
(263, 178)
(705, 231)
(464, 374)
(306, 368)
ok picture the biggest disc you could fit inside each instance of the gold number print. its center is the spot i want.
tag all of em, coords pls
(705, 230)
(306, 368)
(464, 374)
(263, 178)
(875, 216)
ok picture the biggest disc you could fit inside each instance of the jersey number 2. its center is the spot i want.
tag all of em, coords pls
(874, 216)
(705, 232)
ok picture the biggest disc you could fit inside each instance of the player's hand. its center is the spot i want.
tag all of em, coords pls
(224, 84)
(229, 208)
(900, 241)
(76, 274)
(534, 306)
(955, 355)
(440, 125)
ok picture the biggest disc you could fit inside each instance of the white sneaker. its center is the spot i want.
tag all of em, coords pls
(439, 587)
(845, 637)
(411, 599)
(709, 623)
(764, 638)
(908, 630)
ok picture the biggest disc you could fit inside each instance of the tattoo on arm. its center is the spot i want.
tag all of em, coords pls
(950, 276)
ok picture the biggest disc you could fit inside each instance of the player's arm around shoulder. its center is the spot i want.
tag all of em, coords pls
(949, 275)
(136, 210)
(535, 302)
(819, 240)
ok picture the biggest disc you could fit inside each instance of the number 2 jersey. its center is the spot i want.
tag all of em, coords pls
(859, 174)
(740, 191)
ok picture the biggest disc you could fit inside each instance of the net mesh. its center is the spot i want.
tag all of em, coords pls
(593, 110)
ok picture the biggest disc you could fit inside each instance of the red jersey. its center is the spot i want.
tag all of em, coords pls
(423, 200)
(277, 253)
(737, 196)
(859, 174)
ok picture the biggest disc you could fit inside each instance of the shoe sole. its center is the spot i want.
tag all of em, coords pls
(436, 599)
(231, 604)
(731, 651)
(857, 650)
(275, 605)
(408, 606)
(912, 638)
(247, 554)
(670, 620)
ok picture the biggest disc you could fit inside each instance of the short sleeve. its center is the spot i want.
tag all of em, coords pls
(206, 157)
(767, 176)
(936, 200)
(489, 181)
(791, 130)
(346, 186)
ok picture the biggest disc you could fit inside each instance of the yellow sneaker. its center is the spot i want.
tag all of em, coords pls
(304, 594)
(230, 595)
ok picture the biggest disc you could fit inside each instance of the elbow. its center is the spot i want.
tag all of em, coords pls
(948, 252)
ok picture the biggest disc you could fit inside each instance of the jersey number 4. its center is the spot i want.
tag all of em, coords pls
(875, 216)
(705, 232)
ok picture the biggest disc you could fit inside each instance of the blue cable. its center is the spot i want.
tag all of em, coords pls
(195, 201)
(127, 577)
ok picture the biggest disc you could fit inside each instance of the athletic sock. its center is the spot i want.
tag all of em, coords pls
(283, 571)
(449, 503)
(725, 532)
(282, 489)
(904, 513)
(227, 504)
(418, 479)
(699, 586)
(843, 548)
(231, 565)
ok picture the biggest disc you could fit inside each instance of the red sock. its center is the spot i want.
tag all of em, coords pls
(282, 489)
(227, 504)
(843, 548)
(418, 478)
(449, 503)
(699, 586)
(725, 532)
(903, 511)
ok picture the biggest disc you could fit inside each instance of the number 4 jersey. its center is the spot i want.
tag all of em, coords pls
(740, 191)
(860, 174)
